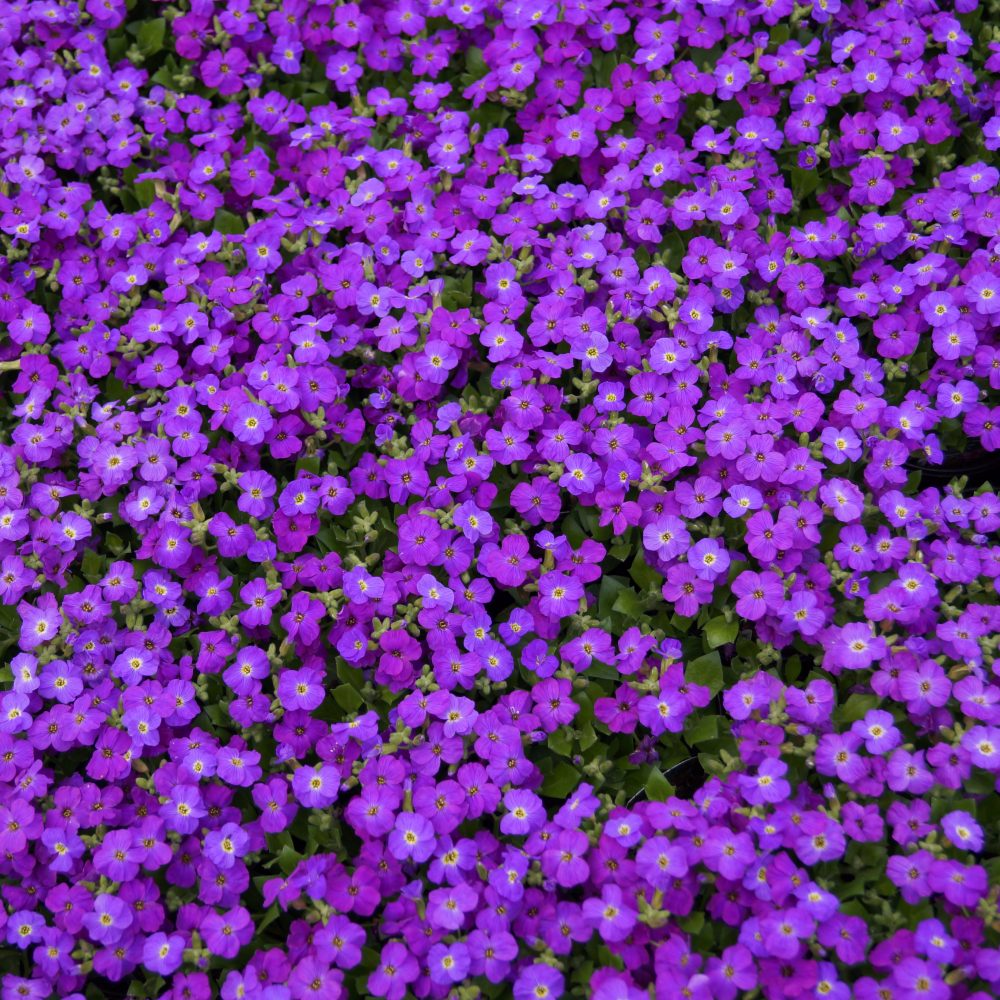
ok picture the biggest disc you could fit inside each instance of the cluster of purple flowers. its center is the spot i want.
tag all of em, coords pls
(431, 429)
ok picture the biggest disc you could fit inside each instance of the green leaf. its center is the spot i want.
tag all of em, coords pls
(349, 675)
(276, 841)
(145, 193)
(272, 914)
(627, 602)
(658, 789)
(644, 575)
(164, 76)
(561, 741)
(719, 632)
(804, 182)
(706, 670)
(150, 36)
(92, 566)
(288, 859)
(680, 624)
(347, 698)
(218, 714)
(701, 729)
(9, 620)
(791, 669)
(474, 61)
(855, 707)
(563, 778)
(227, 223)
(611, 587)
(140, 989)
(603, 671)
(620, 551)
(980, 783)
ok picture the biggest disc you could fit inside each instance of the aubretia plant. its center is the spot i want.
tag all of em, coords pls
(496, 499)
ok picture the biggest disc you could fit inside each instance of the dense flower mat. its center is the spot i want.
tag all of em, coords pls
(495, 499)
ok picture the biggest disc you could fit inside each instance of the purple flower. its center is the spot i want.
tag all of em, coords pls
(666, 536)
(982, 743)
(238, 766)
(118, 858)
(663, 861)
(251, 423)
(559, 595)
(110, 919)
(610, 914)
(878, 730)
(412, 836)
(397, 968)
(538, 982)
(768, 785)
(581, 475)
(260, 601)
(163, 953)
(226, 933)
(726, 852)
(757, 593)
(301, 689)
(39, 622)
(316, 787)
(962, 830)
(492, 423)
(448, 963)
(225, 846)
(708, 559)
(525, 812)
